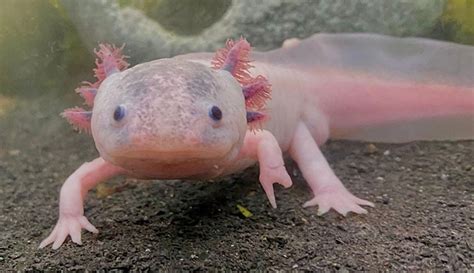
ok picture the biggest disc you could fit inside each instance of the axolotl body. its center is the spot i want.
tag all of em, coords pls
(201, 116)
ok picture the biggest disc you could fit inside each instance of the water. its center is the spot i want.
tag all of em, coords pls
(42, 52)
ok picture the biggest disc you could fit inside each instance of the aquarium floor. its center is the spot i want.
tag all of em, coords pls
(423, 217)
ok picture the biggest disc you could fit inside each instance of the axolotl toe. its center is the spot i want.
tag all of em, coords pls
(203, 115)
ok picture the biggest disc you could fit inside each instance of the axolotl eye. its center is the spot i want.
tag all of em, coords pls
(119, 113)
(215, 113)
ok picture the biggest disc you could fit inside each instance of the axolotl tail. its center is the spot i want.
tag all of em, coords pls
(379, 88)
(401, 112)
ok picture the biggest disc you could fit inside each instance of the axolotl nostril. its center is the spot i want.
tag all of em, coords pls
(203, 115)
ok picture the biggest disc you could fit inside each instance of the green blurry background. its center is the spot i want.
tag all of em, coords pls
(40, 51)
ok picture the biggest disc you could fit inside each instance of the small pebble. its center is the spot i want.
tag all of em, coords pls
(371, 148)
(15, 255)
(387, 152)
(385, 199)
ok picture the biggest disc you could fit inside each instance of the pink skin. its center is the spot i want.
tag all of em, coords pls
(264, 148)
(327, 188)
(346, 86)
(71, 209)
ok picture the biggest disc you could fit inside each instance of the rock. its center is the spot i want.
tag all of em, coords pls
(371, 149)
(266, 24)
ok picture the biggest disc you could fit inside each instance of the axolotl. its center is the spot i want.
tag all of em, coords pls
(204, 115)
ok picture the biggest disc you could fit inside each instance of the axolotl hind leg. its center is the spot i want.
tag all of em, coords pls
(329, 192)
(71, 211)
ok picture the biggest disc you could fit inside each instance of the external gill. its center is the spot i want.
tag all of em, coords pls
(79, 118)
(256, 92)
(88, 91)
(234, 57)
(110, 60)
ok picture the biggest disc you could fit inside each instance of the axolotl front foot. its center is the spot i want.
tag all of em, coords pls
(329, 192)
(262, 146)
(71, 211)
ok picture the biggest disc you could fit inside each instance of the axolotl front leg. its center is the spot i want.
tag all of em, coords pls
(263, 147)
(74, 190)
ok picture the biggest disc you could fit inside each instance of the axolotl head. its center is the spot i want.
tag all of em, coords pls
(170, 119)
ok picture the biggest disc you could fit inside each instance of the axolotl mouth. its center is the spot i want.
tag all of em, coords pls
(173, 164)
(171, 157)
(169, 119)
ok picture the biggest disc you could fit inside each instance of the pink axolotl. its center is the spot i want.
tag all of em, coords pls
(200, 116)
